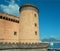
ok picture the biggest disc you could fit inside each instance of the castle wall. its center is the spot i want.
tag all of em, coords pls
(9, 28)
(23, 47)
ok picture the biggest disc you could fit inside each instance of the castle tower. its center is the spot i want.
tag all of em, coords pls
(29, 31)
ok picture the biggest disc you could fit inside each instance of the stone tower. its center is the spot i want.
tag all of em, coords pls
(29, 31)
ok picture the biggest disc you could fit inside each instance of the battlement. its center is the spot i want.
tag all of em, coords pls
(28, 6)
(9, 17)
(23, 45)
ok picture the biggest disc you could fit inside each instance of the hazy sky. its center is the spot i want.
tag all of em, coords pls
(49, 14)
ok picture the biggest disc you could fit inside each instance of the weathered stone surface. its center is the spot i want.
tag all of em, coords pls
(8, 26)
(24, 50)
(28, 18)
(23, 47)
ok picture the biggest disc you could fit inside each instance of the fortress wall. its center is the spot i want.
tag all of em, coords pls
(9, 16)
(9, 29)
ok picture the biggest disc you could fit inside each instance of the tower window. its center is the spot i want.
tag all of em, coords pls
(35, 32)
(35, 15)
(15, 33)
(35, 24)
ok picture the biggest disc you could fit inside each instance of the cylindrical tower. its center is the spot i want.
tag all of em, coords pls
(29, 32)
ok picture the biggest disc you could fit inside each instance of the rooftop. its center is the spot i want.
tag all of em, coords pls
(28, 5)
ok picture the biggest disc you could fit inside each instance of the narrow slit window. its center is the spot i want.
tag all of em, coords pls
(15, 33)
(35, 24)
(35, 32)
(35, 15)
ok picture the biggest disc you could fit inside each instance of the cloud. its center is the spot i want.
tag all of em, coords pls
(12, 8)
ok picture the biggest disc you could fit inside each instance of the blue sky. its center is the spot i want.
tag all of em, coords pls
(49, 14)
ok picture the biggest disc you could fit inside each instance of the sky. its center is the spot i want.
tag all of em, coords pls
(49, 14)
